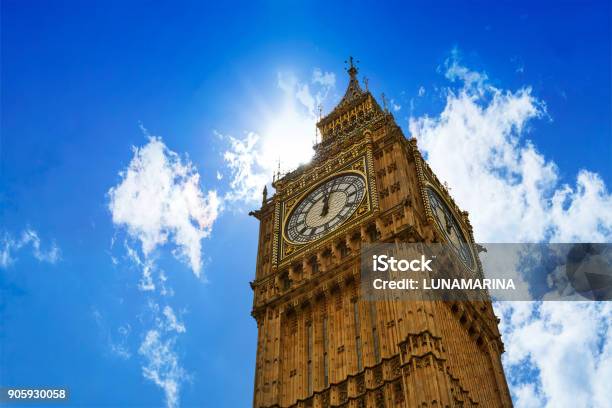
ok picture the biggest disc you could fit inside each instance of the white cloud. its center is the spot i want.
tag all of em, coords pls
(162, 365)
(513, 193)
(146, 279)
(305, 97)
(325, 79)
(250, 170)
(396, 107)
(477, 146)
(172, 322)
(158, 349)
(159, 199)
(563, 340)
(526, 396)
(28, 238)
(164, 290)
(583, 212)
(472, 80)
(288, 135)
(421, 91)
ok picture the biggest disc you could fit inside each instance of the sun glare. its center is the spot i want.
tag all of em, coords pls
(288, 136)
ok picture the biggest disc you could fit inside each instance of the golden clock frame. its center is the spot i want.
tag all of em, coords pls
(295, 201)
(361, 163)
(469, 238)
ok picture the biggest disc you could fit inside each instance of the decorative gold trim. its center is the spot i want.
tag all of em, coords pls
(418, 160)
(310, 175)
(275, 243)
(372, 177)
(305, 193)
(429, 184)
(363, 153)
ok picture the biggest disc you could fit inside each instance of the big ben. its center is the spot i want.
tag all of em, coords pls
(320, 344)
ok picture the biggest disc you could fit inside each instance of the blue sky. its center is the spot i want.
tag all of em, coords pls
(80, 82)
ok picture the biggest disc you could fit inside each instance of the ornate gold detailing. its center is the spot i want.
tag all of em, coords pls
(289, 248)
(372, 176)
(359, 108)
(277, 210)
(363, 208)
(359, 166)
(290, 203)
(357, 159)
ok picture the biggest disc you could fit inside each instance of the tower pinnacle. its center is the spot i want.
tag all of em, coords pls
(352, 69)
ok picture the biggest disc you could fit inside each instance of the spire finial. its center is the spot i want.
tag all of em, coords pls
(352, 69)
(384, 99)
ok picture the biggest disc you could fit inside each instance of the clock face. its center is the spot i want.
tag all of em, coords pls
(325, 208)
(449, 226)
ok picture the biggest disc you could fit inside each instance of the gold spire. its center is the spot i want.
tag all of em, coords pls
(355, 104)
(352, 69)
(354, 89)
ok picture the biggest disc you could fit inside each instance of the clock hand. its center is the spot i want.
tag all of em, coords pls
(448, 223)
(325, 209)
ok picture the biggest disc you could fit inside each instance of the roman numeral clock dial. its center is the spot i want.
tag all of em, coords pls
(325, 208)
(449, 226)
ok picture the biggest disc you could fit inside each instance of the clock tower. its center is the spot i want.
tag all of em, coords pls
(319, 343)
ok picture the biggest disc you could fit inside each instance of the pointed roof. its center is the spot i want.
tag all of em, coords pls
(354, 96)
(354, 89)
